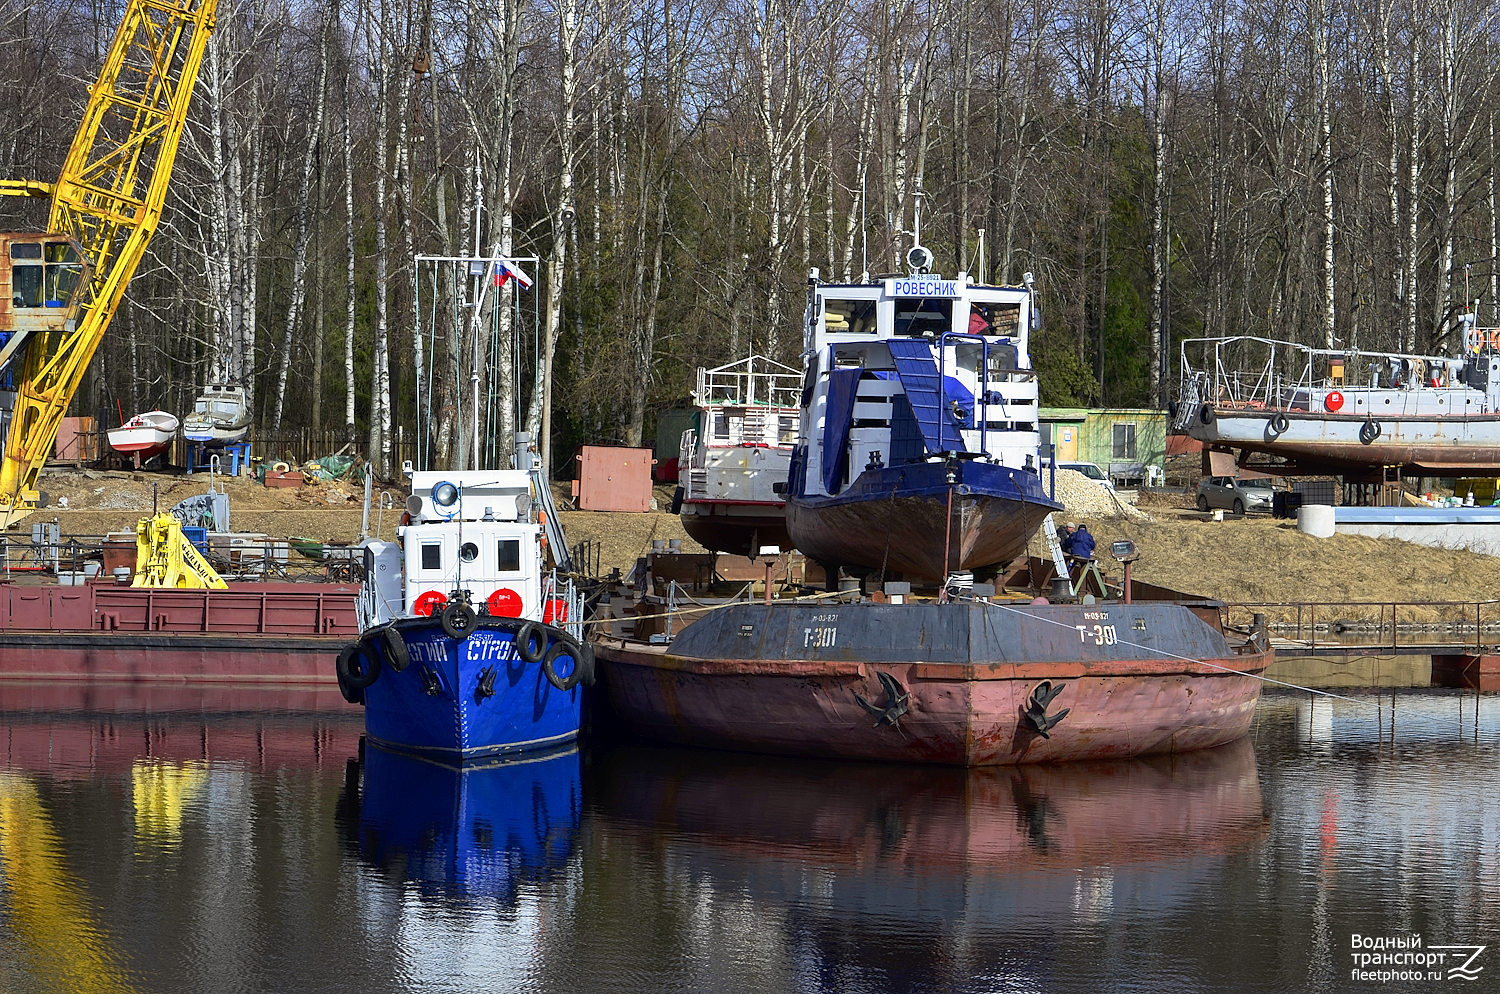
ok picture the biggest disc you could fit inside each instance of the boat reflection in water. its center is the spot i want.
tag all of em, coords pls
(938, 874)
(463, 834)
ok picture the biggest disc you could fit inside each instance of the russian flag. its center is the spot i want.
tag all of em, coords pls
(505, 269)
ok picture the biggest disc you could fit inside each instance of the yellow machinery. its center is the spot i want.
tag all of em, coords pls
(165, 558)
(59, 291)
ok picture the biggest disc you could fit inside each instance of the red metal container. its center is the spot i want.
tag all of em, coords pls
(613, 479)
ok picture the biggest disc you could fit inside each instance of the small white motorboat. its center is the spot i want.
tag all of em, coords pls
(221, 416)
(144, 436)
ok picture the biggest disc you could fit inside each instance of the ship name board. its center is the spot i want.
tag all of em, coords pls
(922, 286)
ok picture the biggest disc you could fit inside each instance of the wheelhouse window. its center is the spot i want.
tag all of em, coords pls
(432, 555)
(508, 556)
(923, 317)
(1005, 319)
(849, 316)
(1124, 441)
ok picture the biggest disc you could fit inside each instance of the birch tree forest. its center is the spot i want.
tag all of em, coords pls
(1319, 170)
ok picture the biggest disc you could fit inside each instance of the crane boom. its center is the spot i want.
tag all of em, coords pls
(105, 207)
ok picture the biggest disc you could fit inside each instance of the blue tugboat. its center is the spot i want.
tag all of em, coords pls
(471, 646)
(918, 457)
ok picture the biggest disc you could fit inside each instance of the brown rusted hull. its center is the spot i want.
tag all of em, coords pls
(793, 682)
(740, 529)
(903, 536)
(276, 633)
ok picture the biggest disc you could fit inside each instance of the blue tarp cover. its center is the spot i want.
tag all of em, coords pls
(842, 385)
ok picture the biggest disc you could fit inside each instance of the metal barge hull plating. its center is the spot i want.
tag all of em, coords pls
(1135, 679)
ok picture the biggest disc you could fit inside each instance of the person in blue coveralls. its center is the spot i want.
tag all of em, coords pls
(1079, 543)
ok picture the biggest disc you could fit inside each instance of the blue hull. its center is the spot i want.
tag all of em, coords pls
(436, 707)
(894, 520)
(475, 833)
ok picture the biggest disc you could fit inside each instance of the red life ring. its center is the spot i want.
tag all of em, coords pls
(504, 603)
(1333, 401)
(429, 603)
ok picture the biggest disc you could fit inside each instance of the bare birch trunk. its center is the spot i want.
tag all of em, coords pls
(380, 362)
(216, 262)
(1321, 31)
(1494, 234)
(1409, 325)
(1158, 101)
(304, 229)
(350, 288)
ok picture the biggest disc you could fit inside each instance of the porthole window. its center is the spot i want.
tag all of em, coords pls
(468, 552)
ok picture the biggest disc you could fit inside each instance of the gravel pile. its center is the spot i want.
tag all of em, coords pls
(123, 500)
(1085, 498)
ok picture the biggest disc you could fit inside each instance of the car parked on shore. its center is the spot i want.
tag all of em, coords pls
(1090, 470)
(1234, 495)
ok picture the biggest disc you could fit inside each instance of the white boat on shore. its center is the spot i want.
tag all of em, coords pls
(221, 416)
(1345, 410)
(144, 436)
(740, 448)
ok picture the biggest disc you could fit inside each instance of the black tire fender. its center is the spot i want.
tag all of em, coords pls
(585, 661)
(357, 667)
(350, 694)
(1278, 424)
(457, 620)
(393, 648)
(564, 645)
(531, 642)
(1369, 432)
(1206, 414)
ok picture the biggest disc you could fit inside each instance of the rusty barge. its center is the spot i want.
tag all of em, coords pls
(269, 633)
(967, 681)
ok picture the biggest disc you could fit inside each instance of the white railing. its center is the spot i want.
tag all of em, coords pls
(755, 380)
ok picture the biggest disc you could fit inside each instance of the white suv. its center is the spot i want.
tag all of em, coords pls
(1090, 470)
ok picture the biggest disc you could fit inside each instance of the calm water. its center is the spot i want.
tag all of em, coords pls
(253, 849)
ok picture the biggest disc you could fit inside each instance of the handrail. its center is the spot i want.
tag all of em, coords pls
(1472, 614)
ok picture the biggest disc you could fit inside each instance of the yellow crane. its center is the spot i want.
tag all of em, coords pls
(165, 558)
(60, 289)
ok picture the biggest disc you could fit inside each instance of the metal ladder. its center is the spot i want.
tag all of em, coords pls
(526, 457)
(1054, 544)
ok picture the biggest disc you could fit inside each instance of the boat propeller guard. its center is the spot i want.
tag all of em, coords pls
(897, 702)
(1035, 712)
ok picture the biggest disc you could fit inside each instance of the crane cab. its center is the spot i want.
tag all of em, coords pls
(40, 279)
